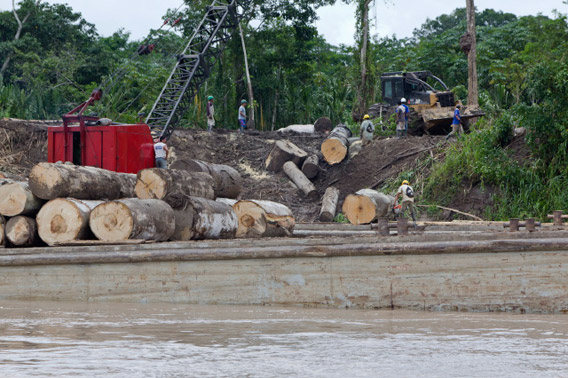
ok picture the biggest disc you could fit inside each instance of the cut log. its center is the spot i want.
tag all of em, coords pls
(355, 148)
(127, 183)
(300, 129)
(263, 219)
(323, 125)
(2, 231)
(52, 180)
(329, 204)
(133, 218)
(311, 166)
(65, 219)
(300, 180)
(200, 218)
(173, 185)
(17, 199)
(21, 231)
(284, 151)
(228, 181)
(366, 205)
(334, 148)
(227, 201)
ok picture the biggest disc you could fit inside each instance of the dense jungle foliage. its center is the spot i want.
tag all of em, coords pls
(59, 58)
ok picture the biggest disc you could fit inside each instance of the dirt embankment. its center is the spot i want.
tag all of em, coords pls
(24, 143)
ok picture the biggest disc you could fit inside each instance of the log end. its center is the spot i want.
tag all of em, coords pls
(111, 221)
(46, 181)
(359, 209)
(59, 221)
(333, 150)
(12, 199)
(21, 231)
(150, 184)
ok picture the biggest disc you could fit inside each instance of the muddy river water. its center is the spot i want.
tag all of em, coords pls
(54, 339)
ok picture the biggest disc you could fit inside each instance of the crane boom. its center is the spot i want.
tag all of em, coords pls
(194, 64)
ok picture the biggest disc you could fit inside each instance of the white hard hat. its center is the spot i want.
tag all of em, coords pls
(403, 100)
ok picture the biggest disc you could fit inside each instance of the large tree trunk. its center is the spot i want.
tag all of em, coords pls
(366, 205)
(54, 180)
(334, 148)
(300, 180)
(250, 123)
(65, 219)
(472, 94)
(173, 185)
(311, 166)
(133, 218)
(363, 88)
(21, 231)
(283, 151)
(17, 199)
(323, 125)
(329, 204)
(228, 182)
(263, 219)
(200, 218)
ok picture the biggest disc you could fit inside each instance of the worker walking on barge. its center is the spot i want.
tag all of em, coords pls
(161, 153)
(406, 192)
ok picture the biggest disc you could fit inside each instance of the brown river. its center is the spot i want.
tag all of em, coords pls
(58, 339)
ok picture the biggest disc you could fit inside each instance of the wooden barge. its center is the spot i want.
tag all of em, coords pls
(447, 268)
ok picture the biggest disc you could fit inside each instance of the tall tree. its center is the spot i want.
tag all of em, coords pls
(365, 87)
(472, 90)
(21, 23)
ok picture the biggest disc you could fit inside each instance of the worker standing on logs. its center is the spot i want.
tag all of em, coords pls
(243, 116)
(400, 120)
(367, 130)
(161, 153)
(407, 193)
(210, 114)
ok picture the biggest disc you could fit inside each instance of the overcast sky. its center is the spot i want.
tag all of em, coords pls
(337, 23)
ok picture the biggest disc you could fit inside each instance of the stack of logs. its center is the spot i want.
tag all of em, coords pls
(67, 204)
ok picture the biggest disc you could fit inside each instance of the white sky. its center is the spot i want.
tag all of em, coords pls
(337, 23)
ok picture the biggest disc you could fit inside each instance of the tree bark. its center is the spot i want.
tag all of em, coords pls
(9, 176)
(172, 185)
(251, 122)
(2, 231)
(228, 181)
(329, 204)
(17, 199)
(200, 218)
(65, 219)
(366, 205)
(334, 148)
(284, 151)
(362, 94)
(298, 178)
(133, 218)
(54, 180)
(311, 166)
(323, 125)
(263, 219)
(472, 94)
(21, 231)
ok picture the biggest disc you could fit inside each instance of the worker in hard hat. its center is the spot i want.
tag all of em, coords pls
(210, 114)
(400, 119)
(367, 130)
(406, 113)
(406, 192)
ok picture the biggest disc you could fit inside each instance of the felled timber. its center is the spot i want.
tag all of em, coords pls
(200, 218)
(2, 231)
(366, 205)
(63, 220)
(263, 219)
(310, 167)
(21, 231)
(334, 148)
(298, 178)
(133, 218)
(329, 204)
(55, 180)
(228, 181)
(17, 199)
(173, 185)
(283, 151)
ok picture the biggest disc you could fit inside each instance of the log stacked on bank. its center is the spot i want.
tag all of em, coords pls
(17, 199)
(329, 204)
(21, 231)
(284, 151)
(298, 177)
(54, 180)
(335, 147)
(366, 205)
(263, 219)
(228, 182)
(63, 220)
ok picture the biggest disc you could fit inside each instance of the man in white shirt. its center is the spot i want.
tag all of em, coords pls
(161, 153)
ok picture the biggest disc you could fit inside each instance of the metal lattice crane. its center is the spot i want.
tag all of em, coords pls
(194, 65)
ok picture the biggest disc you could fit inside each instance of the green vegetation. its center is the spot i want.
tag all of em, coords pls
(58, 59)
